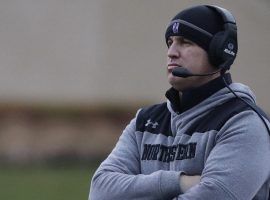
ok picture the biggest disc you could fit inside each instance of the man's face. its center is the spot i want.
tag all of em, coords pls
(185, 53)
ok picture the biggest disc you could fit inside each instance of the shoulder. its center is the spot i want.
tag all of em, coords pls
(225, 112)
(153, 110)
(222, 113)
(154, 119)
(246, 118)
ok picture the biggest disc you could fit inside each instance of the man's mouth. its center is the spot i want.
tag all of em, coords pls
(171, 66)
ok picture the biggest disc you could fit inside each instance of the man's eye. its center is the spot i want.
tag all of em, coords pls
(169, 43)
(187, 42)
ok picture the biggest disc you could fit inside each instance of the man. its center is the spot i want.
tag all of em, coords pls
(204, 142)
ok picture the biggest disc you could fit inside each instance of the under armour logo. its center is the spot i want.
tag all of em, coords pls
(154, 125)
(175, 27)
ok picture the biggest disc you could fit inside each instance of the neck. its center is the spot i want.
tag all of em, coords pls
(191, 97)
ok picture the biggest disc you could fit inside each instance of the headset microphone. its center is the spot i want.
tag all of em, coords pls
(184, 73)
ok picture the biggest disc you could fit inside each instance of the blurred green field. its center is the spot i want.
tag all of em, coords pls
(45, 183)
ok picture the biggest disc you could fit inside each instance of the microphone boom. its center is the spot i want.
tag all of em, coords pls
(184, 73)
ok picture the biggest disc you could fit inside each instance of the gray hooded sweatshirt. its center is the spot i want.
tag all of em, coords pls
(226, 143)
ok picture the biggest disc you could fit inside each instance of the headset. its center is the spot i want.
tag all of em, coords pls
(223, 46)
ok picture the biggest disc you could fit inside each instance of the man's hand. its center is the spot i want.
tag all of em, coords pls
(186, 182)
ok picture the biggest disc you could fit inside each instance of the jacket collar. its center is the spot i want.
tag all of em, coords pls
(187, 99)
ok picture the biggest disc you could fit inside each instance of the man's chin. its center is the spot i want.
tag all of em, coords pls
(173, 80)
(176, 86)
(180, 84)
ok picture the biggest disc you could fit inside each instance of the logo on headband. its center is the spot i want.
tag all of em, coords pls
(175, 27)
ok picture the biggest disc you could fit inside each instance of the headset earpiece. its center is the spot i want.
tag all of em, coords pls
(223, 46)
(215, 49)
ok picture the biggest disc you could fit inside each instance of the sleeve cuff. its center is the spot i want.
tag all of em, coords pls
(169, 184)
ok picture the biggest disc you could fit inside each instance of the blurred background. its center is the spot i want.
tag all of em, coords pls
(73, 74)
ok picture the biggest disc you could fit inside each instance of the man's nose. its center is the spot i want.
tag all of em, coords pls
(173, 51)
